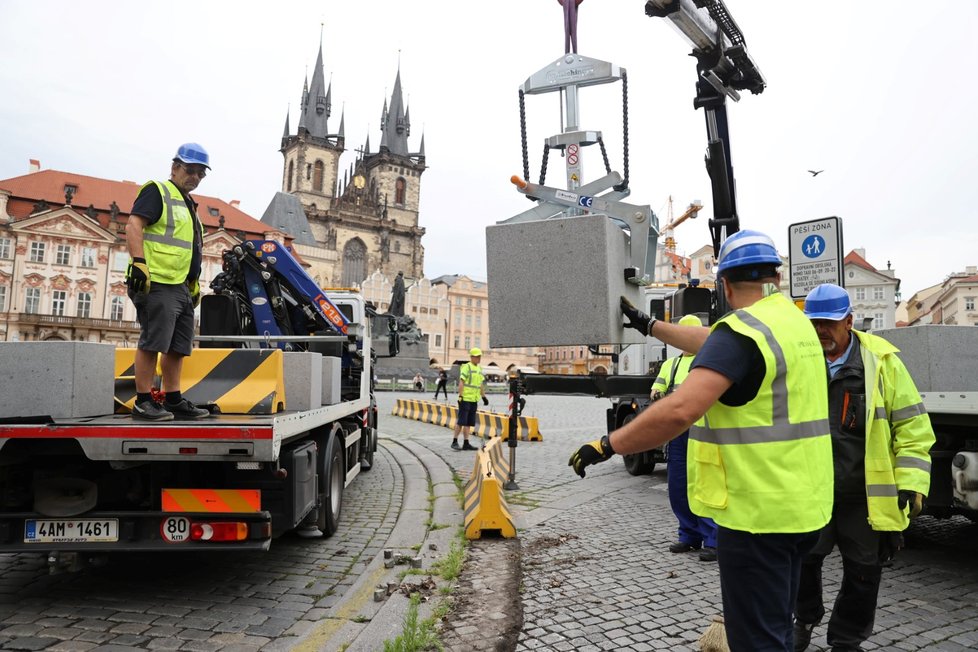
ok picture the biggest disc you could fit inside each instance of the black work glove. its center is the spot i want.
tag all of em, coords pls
(485, 400)
(593, 452)
(636, 318)
(137, 276)
(460, 400)
(890, 544)
(913, 499)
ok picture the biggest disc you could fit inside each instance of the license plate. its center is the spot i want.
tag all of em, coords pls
(84, 530)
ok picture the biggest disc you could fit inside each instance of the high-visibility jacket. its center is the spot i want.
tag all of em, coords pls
(168, 243)
(766, 466)
(672, 373)
(898, 434)
(470, 380)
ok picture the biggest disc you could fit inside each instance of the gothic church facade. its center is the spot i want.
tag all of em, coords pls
(349, 222)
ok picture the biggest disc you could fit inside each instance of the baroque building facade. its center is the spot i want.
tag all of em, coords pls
(350, 221)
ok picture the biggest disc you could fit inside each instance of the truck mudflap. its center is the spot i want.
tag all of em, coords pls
(112, 531)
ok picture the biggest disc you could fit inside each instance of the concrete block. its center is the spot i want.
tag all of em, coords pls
(303, 380)
(332, 367)
(56, 379)
(558, 282)
(938, 357)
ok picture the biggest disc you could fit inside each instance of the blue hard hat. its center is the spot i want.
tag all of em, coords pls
(747, 248)
(828, 301)
(193, 153)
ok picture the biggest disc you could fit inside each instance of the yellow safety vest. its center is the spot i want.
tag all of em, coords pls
(766, 466)
(898, 434)
(681, 364)
(471, 378)
(168, 243)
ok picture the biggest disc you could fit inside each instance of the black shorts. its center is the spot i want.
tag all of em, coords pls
(166, 318)
(466, 413)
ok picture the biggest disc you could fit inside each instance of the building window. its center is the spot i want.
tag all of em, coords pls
(116, 309)
(877, 294)
(63, 255)
(354, 263)
(3, 298)
(969, 303)
(478, 340)
(288, 186)
(878, 322)
(4, 248)
(478, 321)
(58, 300)
(32, 301)
(400, 188)
(458, 320)
(437, 340)
(468, 342)
(84, 305)
(478, 303)
(468, 321)
(434, 311)
(120, 260)
(455, 345)
(860, 294)
(458, 301)
(317, 176)
(468, 302)
(37, 252)
(88, 255)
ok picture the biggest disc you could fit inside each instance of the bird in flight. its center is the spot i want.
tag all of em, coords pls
(815, 173)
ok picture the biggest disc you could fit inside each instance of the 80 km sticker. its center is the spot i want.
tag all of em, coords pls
(175, 529)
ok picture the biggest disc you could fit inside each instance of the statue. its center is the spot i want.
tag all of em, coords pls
(397, 296)
(570, 24)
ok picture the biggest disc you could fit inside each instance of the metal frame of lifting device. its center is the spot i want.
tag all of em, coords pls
(723, 68)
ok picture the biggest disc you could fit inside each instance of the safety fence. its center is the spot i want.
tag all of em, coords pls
(486, 511)
(487, 424)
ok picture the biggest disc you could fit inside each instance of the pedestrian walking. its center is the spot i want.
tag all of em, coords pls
(881, 440)
(695, 532)
(442, 385)
(164, 238)
(471, 385)
(756, 406)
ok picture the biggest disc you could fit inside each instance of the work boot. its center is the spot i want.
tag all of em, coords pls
(186, 410)
(151, 411)
(803, 635)
(455, 446)
(466, 446)
(682, 546)
(708, 554)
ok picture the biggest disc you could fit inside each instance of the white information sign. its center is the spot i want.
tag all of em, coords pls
(814, 254)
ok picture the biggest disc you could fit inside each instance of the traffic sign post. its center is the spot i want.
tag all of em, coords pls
(814, 254)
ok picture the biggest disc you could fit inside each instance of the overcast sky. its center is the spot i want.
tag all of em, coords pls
(878, 93)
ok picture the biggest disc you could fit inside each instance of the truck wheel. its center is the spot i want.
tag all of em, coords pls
(638, 463)
(332, 480)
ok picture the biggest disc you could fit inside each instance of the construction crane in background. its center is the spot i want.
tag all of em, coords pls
(691, 212)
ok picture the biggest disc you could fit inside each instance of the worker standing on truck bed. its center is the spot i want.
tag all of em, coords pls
(695, 532)
(881, 472)
(471, 385)
(165, 241)
(756, 406)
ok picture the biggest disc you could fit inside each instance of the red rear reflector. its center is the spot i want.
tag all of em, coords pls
(219, 531)
(188, 451)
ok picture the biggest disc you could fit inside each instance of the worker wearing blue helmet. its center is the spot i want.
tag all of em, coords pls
(165, 241)
(759, 461)
(881, 438)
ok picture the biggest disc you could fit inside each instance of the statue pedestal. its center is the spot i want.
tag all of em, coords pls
(413, 357)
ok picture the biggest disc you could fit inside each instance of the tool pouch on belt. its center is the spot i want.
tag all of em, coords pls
(853, 414)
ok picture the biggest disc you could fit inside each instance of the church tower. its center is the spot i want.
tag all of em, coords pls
(312, 154)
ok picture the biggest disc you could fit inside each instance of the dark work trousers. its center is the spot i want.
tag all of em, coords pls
(854, 612)
(442, 387)
(693, 530)
(759, 576)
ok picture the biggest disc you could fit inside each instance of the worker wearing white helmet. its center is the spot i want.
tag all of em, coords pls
(881, 439)
(471, 386)
(755, 403)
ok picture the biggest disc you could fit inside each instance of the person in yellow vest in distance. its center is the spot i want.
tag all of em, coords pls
(881, 440)
(695, 532)
(755, 403)
(165, 242)
(471, 386)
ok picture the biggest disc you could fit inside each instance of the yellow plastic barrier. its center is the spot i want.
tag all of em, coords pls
(487, 424)
(485, 506)
(239, 381)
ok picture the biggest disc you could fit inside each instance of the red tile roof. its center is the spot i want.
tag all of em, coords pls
(49, 185)
(856, 259)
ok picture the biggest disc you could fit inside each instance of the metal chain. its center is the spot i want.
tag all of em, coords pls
(543, 165)
(526, 153)
(624, 108)
(604, 155)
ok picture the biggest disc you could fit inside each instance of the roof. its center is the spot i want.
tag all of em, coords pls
(285, 214)
(856, 259)
(101, 194)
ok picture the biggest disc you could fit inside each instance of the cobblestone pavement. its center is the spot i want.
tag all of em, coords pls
(596, 574)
